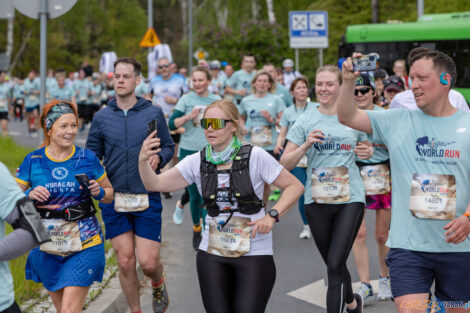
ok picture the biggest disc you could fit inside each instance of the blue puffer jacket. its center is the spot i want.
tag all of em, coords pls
(116, 139)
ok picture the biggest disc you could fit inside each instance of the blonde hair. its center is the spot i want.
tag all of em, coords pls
(332, 69)
(230, 109)
(271, 89)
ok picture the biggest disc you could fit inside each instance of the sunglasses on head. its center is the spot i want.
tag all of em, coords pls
(362, 90)
(217, 123)
(164, 66)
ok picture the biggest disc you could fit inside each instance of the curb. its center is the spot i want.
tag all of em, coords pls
(112, 298)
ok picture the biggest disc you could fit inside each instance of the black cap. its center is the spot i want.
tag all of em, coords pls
(365, 79)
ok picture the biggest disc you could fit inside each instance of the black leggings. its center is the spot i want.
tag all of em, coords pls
(185, 197)
(334, 228)
(14, 308)
(235, 285)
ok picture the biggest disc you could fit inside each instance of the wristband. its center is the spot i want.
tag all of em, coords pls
(100, 196)
(466, 214)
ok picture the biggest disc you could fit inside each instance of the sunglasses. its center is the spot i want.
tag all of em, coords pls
(217, 123)
(363, 91)
(164, 66)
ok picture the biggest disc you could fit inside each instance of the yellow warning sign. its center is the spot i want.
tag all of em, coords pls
(150, 39)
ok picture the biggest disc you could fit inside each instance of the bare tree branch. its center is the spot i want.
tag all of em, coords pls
(21, 50)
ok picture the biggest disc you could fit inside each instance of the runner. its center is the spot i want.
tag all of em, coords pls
(238, 85)
(62, 91)
(133, 220)
(234, 261)
(31, 92)
(18, 99)
(299, 90)
(281, 90)
(18, 211)
(188, 113)
(392, 86)
(289, 74)
(95, 94)
(74, 259)
(82, 87)
(375, 173)
(218, 79)
(259, 115)
(334, 196)
(4, 103)
(429, 150)
(399, 69)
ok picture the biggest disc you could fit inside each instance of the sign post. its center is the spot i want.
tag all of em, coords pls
(307, 30)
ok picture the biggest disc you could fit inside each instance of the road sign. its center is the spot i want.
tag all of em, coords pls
(150, 39)
(7, 10)
(200, 54)
(55, 8)
(308, 29)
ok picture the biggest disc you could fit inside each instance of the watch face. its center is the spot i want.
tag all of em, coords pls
(273, 213)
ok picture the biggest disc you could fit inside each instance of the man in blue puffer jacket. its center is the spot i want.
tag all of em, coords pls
(133, 219)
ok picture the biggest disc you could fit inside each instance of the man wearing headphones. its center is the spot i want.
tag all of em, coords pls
(430, 156)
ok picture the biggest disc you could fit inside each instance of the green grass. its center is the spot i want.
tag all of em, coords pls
(12, 156)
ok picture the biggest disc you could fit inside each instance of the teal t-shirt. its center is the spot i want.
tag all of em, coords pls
(81, 87)
(66, 93)
(292, 113)
(32, 99)
(18, 91)
(260, 132)
(4, 93)
(422, 144)
(336, 150)
(193, 138)
(141, 89)
(10, 193)
(241, 80)
(285, 95)
(380, 153)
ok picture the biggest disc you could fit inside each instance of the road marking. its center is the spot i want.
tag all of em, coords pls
(315, 293)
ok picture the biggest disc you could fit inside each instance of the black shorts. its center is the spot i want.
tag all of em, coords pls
(274, 155)
(14, 308)
(3, 115)
(176, 137)
(83, 110)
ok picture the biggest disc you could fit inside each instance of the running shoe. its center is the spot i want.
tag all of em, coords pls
(306, 233)
(178, 215)
(360, 305)
(196, 239)
(384, 292)
(366, 293)
(275, 195)
(160, 299)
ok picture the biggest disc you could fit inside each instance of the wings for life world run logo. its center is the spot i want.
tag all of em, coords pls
(332, 143)
(433, 148)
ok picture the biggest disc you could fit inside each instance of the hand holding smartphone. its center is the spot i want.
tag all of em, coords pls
(82, 179)
(151, 127)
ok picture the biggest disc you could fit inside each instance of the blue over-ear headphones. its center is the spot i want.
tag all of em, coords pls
(443, 80)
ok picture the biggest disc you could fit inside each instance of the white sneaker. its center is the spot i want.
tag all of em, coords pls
(384, 292)
(366, 293)
(306, 233)
(178, 215)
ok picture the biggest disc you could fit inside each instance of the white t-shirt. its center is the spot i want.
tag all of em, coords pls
(263, 168)
(406, 100)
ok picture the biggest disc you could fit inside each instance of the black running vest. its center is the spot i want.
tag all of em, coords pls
(240, 186)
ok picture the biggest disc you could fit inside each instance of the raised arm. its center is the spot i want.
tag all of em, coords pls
(348, 114)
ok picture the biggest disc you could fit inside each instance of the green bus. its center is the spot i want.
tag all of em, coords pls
(449, 33)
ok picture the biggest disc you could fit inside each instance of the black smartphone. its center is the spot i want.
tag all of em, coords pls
(151, 127)
(365, 63)
(82, 179)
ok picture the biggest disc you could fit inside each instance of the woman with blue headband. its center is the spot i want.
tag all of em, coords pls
(62, 179)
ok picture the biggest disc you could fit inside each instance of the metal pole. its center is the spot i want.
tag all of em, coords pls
(43, 57)
(320, 56)
(150, 16)
(190, 37)
(297, 60)
(420, 6)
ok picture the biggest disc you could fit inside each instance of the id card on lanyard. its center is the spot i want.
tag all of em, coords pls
(433, 196)
(330, 184)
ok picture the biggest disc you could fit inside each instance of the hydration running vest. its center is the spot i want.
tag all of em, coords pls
(240, 186)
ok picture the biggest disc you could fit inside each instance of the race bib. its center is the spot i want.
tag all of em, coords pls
(129, 202)
(19, 101)
(82, 99)
(376, 179)
(65, 237)
(330, 184)
(33, 98)
(104, 96)
(3, 103)
(197, 120)
(261, 135)
(303, 162)
(433, 196)
(233, 240)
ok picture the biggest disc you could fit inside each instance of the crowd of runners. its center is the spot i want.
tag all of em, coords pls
(395, 144)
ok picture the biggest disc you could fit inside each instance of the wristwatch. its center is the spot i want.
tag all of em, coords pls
(274, 214)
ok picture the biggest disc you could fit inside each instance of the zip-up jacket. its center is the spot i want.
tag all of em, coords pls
(117, 139)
